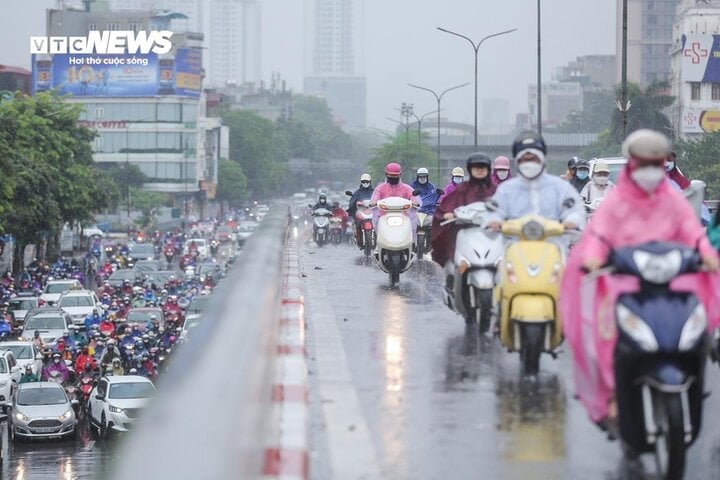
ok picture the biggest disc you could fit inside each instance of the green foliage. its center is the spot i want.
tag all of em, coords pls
(699, 158)
(147, 203)
(403, 149)
(232, 183)
(127, 175)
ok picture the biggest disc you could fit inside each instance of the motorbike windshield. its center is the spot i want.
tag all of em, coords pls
(655, 262)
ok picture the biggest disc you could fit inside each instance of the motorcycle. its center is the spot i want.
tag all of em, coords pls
(87, 382)
(422, 244)
(478, 252)
(660, 355)
(365, 235)
(529, 288)
(336, 230)
(321, 222)
(214, 245)
(169, 255)
(394, 253)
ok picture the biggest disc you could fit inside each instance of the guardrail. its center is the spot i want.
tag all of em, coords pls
(211, 417)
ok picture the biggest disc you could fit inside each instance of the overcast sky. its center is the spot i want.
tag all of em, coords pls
(401, 45)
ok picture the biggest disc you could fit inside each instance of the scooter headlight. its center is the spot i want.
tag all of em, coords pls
(693, 329)
(658, 269)
(533, 231)
(637, 329)
(395, 221)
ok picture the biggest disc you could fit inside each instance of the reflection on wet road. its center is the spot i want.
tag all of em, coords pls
(442, 402)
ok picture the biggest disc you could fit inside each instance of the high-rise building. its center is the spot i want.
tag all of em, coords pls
(650, 24)
(235, 42)
(192, 9)
(333, 67)
(590, 71)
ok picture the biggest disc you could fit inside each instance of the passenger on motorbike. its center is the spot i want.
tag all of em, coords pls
(501, 170)
(117, 369)
(363, 193)
(643, 207)
(428, 192)
(457, 176)
(479, 188)
(534, 191)
(28, 375)
(600, 185)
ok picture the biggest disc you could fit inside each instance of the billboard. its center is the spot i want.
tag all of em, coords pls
(700, 121)
(701, 58)
(140, 75)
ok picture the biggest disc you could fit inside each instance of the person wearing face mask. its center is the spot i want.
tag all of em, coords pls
(363, 193)
(582, 175)
(535, 191)
(322, 202)
(427, 189)
(457, 176)
(501, 170)
(478, 188)
(642, 207)
(570, 172)
(600, 184)
(393, 187)
(674, 172)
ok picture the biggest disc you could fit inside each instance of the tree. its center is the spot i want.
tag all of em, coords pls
(699, 158)
(148, 203)
(126, 176)
(403, 149)
(596, 115)
(232, 183)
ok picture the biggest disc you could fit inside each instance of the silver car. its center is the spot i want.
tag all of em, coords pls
(41, 410)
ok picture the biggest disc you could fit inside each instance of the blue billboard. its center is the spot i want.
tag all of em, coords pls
(701, 58)
(142, 75)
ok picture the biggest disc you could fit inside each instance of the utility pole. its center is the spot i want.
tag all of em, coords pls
(539, 69)
(625, 105)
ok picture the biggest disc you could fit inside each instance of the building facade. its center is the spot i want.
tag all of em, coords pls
(695, 77)
(590, 71)
(559, 99)
(650, 37)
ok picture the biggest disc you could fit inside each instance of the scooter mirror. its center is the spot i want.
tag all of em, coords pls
(348, 193)
(440, 191)
(416, 193)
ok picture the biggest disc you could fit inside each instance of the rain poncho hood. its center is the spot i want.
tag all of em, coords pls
(628, 216)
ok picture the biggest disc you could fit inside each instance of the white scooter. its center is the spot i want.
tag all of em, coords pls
(394, 253)
(321, 225)
(478, 252)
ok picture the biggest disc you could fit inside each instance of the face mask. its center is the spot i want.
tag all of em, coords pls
(365, 184)
(457, 180)
(502, 174)
(669, 166)
(601, 180)
(393, 180)
(422, 180)
(582, 174)
(57, 360)
(648, 178)
(322, 200)
(530, 170)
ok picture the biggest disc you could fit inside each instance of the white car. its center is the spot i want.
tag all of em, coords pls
(50, 322)
(615, 164)
(55, 288)
(116, 402)
(25, 353)
(202, 247)
(9, 376)
(20, 306)
(79, 304)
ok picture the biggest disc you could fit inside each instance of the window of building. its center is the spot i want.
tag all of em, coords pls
(93, 27)
(114, 26)
(142, 112)
(189, 112)
(716, 91)
(169, 112)
(135, 27)
(694, 90)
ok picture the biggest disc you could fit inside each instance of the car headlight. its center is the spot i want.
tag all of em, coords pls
(3, 384)
(21, 417)
(66, 416)
(637, 329)
(114, 409)
(658, 269)
(693, 329)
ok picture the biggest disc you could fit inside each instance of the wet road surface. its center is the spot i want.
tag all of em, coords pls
(440, 402)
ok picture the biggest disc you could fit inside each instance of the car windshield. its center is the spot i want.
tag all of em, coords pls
(76, 301)
(21, 352)
(198, 304)
(142, 316)
(224, 230)
(247, 228)
(123, 275)
(45, 323)
(41, 396)
(198, 241)
(146, 265)
(158, 278)
(131, 390)
(615, 170)
(22, 304)
(57, 287)
(142, 251)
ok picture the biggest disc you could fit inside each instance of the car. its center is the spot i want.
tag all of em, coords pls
(119, 276)
(148, 265)
(51, 322)
(93, 231)
(20, 306)
(55, 288)
(116, 402)
(41, 410)
(25, 353)
(202, 247)
(245, 229)
(615, 164)
(199, 304)
(9, 376)
(141, 316)
(191, 321)
(140, 251)
(224, 233)
(79, 304)
(161, 277)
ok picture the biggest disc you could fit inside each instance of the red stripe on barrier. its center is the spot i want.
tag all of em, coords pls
(291, 350)
(290, 393)
(293, 301)
(286, 461)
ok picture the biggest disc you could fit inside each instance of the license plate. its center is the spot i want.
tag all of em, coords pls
(321, 230)
(44, 430)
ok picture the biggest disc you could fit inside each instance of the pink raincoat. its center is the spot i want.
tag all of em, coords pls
(628, 216)
(403, 190)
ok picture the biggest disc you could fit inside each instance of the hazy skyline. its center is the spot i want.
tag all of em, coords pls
(401, 45)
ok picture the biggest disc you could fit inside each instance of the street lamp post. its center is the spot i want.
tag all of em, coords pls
(405, 125)
(539, 71)
(439, 99)
(476, 47)
(419, 121)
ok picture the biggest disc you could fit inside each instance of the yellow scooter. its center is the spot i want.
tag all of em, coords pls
(528, 289)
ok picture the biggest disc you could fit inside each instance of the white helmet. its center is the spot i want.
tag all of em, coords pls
(646, 144)
(422, 171)
(457, 172)
(365, 178)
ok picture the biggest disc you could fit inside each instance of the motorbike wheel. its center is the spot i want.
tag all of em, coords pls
(367, 243)
(670, 444)
(394, 277)
(483, 312)
(420, 245)
(531, 346)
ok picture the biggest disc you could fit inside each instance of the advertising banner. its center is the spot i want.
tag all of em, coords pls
(188, 72)
(700, 121)
(701, 58)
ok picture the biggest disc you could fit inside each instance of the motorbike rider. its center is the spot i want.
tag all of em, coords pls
(117, 368)
(674, 172)
(535, 191)
(37, 340)
(582, 174)
(111, 352)
(28, 375)
(78, 339)
(600, 184)
(322, 202)
(393, 187)
(570, 171)
(479, 188)
(501, 170)
(84, 359)
(428, 192)
(339, 212)
(457, 176)
(57, 365)
(92, 319)
(364, 192)
(643, 207)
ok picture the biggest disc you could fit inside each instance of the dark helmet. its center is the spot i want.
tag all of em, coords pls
(335, 204)
(478, 159)
(528, 140)
(88, 367)
(322, 198)
(580, 163)
(572, 162)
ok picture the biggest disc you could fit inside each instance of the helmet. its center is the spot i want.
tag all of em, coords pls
(28, 367)
(365, 178)
(646, 144)
(422, 171)
(116, 360)
(528, 141)
(502, 163)
(581, 164)
(478, 159)
(322, 197)
(571, 163)
(88, 367)
(393, 169)
(601, 166)
(457, 172)
(335, 204)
